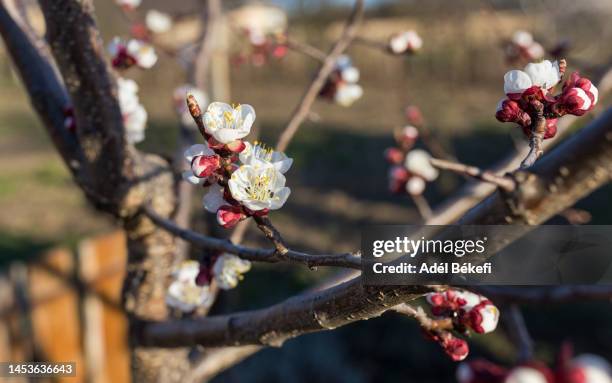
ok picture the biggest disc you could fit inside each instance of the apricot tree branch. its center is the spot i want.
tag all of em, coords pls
(474, 192)
(504, 182)
(515, 324)
(572, 170)
(349, 260)
(548, 294)
(77, 47)
(302, 109)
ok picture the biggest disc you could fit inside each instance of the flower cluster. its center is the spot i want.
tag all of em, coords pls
(523, 47)
(407, 42)
(178, 100)
(411, 168)
(530, 102)
(133, 52)
(264, 26)
(262, 48)
(585, 368)
(341, 85)
(134, 114)
(468, 311)
(243, 179)
(191, 285)
(460, 311)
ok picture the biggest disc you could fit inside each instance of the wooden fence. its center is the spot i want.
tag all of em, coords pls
(65, 307)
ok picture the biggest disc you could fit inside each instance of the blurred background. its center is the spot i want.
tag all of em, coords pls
(61, 263)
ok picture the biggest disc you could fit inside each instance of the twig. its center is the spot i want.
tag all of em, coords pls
(349, 260)
(422, 206)
(503, 182)
(306, 49)
(265, 225)
(515, 323)
(538, 128)
(301, 111)
(424, 320)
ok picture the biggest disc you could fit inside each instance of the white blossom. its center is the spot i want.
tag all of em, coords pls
(544, 74)
(418, 162)
(226, 123)
(183, 293)
(142, 52)
(130, 4)
(259, 187)
(405, 41)
(258, 154)
(415, 186)
(347, 94)
(350, 74)
(525, 375)
(522, 38)
(228, 270)
(595, 368)
(134, 114)
(158, 22)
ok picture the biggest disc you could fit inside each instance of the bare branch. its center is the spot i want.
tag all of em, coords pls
(258, 255)
(265, 225)
(46, 91)
(301, 111)
(78, 50)
(424, 320)
(306, 49)
(422, 206)
(515, 323)
(317, 311)
(217, 360)
(504, 182)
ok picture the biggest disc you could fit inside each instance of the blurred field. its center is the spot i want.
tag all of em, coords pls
(339, 179)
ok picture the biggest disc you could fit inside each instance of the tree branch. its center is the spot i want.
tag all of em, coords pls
(45, 89)
(331, 308)
(515, 323)
(504, 182)
(301, 111)
(78, 50)
(474, 192)
(575, 168)
(549, 294)
(258, 255)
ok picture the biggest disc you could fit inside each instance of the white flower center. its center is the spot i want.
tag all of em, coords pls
(262, 152)
(259, 185)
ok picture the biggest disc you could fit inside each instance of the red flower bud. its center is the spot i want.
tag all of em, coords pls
(228, 216)
(236, 146)
(575, 101)
(204, 166)
(398, 175)
(456, 348)
(394, 156)
(510, 111)
(414, 115)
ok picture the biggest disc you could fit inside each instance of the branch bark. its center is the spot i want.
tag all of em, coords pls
(78, 50)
